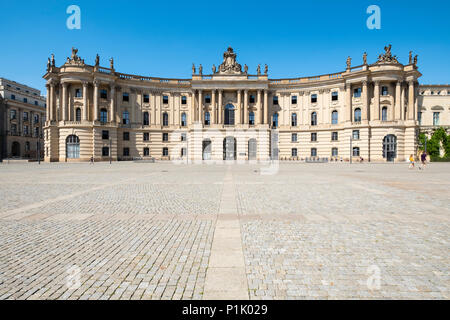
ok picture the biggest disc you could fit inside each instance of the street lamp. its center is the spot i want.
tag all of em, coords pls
(110, 143)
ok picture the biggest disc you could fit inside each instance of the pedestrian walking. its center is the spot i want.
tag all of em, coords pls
(92, 160)
(423, 160)
(411, 162)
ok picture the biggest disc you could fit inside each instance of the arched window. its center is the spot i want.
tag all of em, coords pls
(72, 147)
(294, 120)
(125, 117)
(146, 120)
(103, 115)
(384, 114)
(78, 114)
(183, 119)
(334, 117)
(207, 118)
(229, 114)
(275, 120)
(251, 118)
(357, 115)
(314, 119)
(165, 119)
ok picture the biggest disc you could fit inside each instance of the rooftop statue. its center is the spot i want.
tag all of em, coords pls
(97, 60)
(74, 58)
(349, 62)
(387, 57)
(365, 58)
(193, 68)
(266, 69)
(229, 64)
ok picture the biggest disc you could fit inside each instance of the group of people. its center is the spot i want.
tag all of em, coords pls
(423, 160)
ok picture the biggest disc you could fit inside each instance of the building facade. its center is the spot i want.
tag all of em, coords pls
(370, 111)
(22, 118)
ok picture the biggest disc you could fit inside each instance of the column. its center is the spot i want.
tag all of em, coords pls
(96, 84)
(259, 119)
(411, 100)
(398, 109)
(213, 107)
(64, 102)
(402, 103)
(85, 100)
(238, 109)
(112, 111)
(47, 110)
(365, 95)
(190, 115)
(52, 103)
(348, 102)
(246, 111)
(220, 106)
(200, 107)
(153, 107)
(266, 107)
(377, 100)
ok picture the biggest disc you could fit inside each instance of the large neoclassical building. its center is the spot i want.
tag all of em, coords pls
(369, 111)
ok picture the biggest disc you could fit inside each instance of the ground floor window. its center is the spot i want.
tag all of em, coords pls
(356, 151)
(146, 152)
(294, 152)
(126, 152)
(183, 152)
(105, 151)
(334, 152)
(313, 152)
(165, 152)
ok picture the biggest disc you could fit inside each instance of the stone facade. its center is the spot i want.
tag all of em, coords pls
(368, 111)
(22, 117)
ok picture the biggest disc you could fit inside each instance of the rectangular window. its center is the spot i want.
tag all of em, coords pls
(419, 118)
(356, 152)
(25, 130)
(207, 99)
(165, 99)
(126, 136)
(25, 116)
(183, 136)
(183, 152)
(313, 98)
(435, 118)
(183, 100)
(165, 137)
(334, 136)
(355, 134)
(36, 132)
(126, 97)
(294, 99)
(146, 152)
(313, 152)
(357, 92)
(294, 152)
(105, 134)
(105, 151)
(13, 114)
(334, 152)
(146, 98)
(384, 91)
(275, 100)
(126, 152)
(313, 136)
(25, 100)
(78, 93)
(334, 96)
(13, 97)
(294, 137)
(103, 94)
(146, 136)
(165, 152)
(35, 103)
(252, 99)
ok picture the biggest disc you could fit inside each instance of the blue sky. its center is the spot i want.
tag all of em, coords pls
(164, 38)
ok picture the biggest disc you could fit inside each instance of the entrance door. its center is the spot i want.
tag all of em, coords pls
(207, 149)
(229, 114)
(15, 149)
(390, 147)
(252, 148)
(229, 148)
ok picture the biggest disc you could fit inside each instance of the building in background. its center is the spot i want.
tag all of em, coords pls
(22, 116)
(369, 111)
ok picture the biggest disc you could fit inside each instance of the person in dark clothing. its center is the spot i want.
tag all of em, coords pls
(423, 160)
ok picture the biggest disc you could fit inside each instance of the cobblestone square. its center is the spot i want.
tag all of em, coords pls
(135, 230)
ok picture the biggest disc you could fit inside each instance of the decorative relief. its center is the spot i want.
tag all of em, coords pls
(229, 64)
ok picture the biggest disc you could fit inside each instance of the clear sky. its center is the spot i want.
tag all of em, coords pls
(164, 38)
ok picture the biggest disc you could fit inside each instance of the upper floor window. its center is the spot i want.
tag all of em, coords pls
(104, 115)
(146, 120)
(183, 119)
(294, 137)
(355, 135)
(314, 136)
(251, 118)
(275, 100)
(25, 100)
(183, 136)
(125, 117)
(207, 98)
(294, 120)
(183, 100)
(314, 119)
(384, 111)
(334, 96)
(25, 116)
(334, 117)
(419, 117)
(384, 91)
(357, 92)
(126, 97)
(435, 118)
(146, 136)
(207, 118)
(36, 132)
(78, 93)
(275, 120)
(78, 114)
(35, 103)
(252, 98)
(357, 115)
(334, 136)
(13, 97)
(36, 118)
(103, 94)
(165, 119)
(165, 99)
(146, 98)
(313, 98)
(294, 99)
(105, 134)
(13, 114)
(126, 136)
